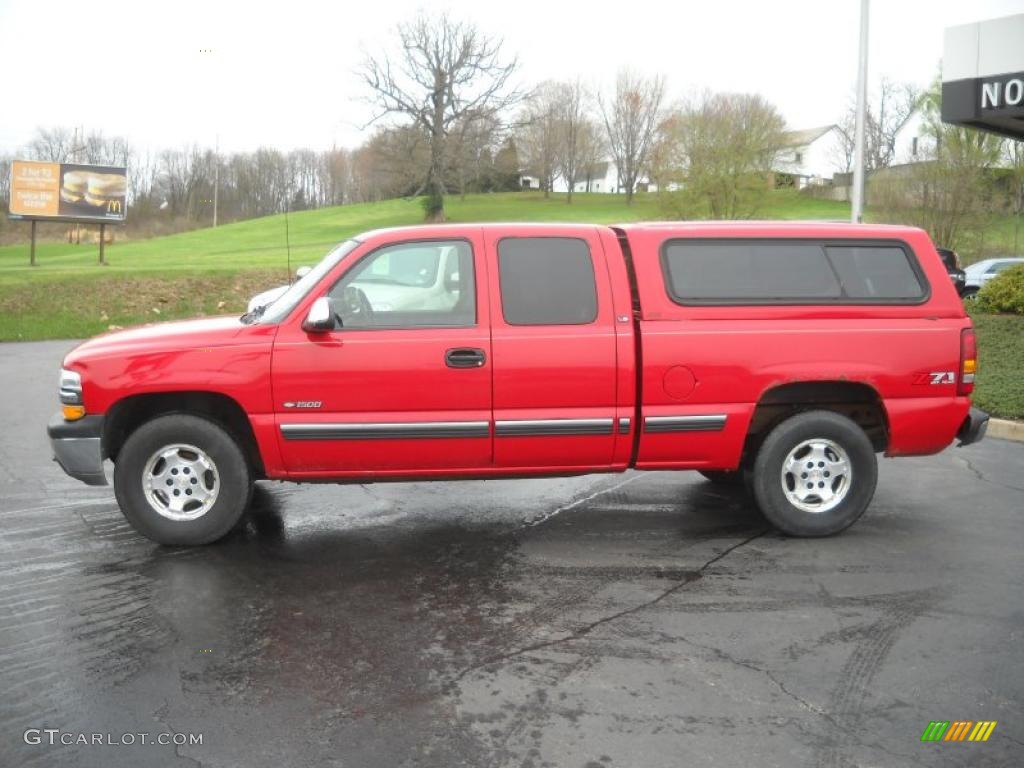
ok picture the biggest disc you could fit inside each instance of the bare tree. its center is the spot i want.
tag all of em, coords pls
(447, 71)
(5, 177)
(573, 133)
(507, 166)
(891, 108)
(335, 174)
(715, 155)
(141, 174)
(630, 120)
(592, 149)
(102, 150)
(540, 133)
(53, 144)
(180, 174)
(950, 192)
(472, 153)
(5, 188)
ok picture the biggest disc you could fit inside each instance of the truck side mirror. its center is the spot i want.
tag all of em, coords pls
(320, 317)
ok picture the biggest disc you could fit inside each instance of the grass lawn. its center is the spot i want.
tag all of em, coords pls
(1001, 353)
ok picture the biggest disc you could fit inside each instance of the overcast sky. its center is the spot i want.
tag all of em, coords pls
(282, 74)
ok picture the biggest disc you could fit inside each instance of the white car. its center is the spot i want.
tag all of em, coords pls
(422, 279)
(268, 297)
(980, 273)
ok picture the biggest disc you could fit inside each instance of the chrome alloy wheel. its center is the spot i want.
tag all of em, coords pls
(180, 482)
(816, 475)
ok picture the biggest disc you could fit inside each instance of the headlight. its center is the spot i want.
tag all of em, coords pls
(71, 395)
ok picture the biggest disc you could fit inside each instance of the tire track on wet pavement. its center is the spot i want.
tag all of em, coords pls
(70, 626)
(854, 685)
(589, 627)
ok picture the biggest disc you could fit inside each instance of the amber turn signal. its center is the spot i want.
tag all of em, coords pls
(73, 412)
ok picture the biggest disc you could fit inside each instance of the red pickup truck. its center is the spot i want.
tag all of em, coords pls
(783, 355)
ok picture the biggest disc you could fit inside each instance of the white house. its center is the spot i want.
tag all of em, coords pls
(912, 141)
(599, 177)
(811, 155)
(526, 181)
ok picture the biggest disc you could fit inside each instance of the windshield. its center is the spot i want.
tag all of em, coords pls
(279, 309)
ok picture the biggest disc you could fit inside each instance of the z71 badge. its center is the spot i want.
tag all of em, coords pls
(935, 377)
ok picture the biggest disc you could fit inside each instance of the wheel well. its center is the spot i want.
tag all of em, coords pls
(858, 402)
(129, 414)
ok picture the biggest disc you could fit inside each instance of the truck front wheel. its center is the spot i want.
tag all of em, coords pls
(182, 480)
(815, 474)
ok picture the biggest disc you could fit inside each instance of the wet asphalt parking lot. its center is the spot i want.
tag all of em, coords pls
(622, 620)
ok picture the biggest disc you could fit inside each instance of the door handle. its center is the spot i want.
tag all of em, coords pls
(465, 357)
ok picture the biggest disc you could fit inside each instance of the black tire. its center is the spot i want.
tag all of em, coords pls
(768, 480)
(728, 477)
(970, 294)
(233, 479)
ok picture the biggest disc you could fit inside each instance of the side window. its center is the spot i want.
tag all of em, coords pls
(875, 272)
(546, 281)
(409, 285)
(788, 272)
(736, 271)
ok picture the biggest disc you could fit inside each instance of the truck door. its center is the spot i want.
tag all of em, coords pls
(403, 385)
(554, 347)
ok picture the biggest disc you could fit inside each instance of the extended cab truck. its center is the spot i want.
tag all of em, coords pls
(786, 354)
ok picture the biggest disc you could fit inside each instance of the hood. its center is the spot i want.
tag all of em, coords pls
(184, 334)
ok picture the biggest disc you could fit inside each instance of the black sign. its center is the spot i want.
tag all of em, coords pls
(994, 103)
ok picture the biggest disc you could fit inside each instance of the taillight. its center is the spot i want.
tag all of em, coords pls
(968, 362)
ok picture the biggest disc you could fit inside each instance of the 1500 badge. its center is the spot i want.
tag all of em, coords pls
(304, 404)
(935, 377)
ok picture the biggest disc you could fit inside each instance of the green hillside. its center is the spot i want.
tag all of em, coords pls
(213, 271)
(261, 242)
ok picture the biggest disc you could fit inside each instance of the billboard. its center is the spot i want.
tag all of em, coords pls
(67, 191)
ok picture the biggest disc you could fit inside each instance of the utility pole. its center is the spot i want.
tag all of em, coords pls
(857, 198)
(216, 175)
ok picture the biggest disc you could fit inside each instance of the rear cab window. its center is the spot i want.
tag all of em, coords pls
(764, 271)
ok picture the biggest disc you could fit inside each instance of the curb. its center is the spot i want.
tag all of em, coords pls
(1006, 430)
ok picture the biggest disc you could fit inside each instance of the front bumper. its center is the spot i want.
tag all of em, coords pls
(76, 447)
(974, 427)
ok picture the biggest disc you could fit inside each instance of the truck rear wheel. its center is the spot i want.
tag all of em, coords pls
(815, 474)
(182, 480)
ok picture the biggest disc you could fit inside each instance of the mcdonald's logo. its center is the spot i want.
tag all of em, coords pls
(113, 206)
(958, 730)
